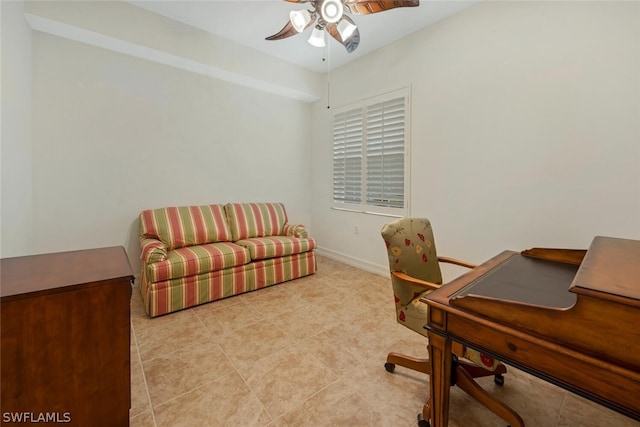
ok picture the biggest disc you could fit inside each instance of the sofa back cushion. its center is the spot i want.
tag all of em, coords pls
(179, 227)
(249, 220)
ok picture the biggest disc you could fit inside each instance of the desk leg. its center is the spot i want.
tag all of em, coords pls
(440, 380)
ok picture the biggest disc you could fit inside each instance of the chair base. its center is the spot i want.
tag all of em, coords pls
(463, 375)
(422, 422)
(413, 363)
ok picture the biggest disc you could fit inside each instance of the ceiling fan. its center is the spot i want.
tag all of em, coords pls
(330, 15)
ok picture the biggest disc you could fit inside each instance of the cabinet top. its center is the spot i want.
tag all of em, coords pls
(48, 273)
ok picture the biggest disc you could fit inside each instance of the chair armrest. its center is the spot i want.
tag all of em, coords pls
(412, 280)
(456, 262)
(153, 250)
(295, 230)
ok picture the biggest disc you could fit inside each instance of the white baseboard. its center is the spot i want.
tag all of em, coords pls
(355, 262)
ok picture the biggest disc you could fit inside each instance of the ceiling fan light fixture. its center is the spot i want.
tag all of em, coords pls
(317, 37)
(329, 17)
(300, 19)
(345, 29)
(331, 11)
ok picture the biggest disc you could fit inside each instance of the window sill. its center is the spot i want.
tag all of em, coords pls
(368, 212)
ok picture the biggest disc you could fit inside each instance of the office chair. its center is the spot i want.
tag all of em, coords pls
(415, 271)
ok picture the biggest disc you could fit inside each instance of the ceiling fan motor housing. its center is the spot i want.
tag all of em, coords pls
(331, 11)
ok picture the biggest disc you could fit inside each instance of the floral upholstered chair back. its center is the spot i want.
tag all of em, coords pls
(411, 250)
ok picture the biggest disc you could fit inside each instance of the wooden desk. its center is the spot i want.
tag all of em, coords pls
(66, 338)
(569, 320)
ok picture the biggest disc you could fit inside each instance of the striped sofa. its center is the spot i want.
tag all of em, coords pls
(196, 254)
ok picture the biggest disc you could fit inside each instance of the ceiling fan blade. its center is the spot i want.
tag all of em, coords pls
(367, 7)
(352, 42)
(288, 30)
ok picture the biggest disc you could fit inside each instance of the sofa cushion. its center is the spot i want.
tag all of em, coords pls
(193, 260)
(277, 270)
(248, 220)
(179, 227)
(276, 246)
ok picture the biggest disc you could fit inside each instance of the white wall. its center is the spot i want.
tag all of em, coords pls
(122, 27)
(525, 129)
(15, 148)
(111, 134)
(525, 132)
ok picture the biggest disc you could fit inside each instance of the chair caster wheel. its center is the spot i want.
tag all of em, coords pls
(499, 379)
(422, 422)
(390, 367)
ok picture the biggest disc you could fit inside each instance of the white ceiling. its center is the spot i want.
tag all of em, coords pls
(248, 22)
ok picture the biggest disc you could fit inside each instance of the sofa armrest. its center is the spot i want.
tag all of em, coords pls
(295, 230)
(153, 250)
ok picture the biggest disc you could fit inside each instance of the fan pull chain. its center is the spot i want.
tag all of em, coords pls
(328, 74)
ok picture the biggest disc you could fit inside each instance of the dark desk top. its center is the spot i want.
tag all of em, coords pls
(525, 280)
(610, 271)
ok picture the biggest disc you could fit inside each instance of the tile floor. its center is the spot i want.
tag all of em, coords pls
(310, 353)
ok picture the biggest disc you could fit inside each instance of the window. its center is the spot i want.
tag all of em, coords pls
(370, 152)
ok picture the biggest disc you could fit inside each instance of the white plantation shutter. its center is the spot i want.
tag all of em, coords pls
(385, 153)
(347, 156)
(370, 146)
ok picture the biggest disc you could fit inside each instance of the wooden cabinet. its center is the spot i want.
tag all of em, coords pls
(65, 336)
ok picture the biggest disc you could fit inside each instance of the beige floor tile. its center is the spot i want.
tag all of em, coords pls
(376, 325)
(224, 401)
(578, 411)
(275, 300)
(537, 402)
(348, 308)
(350, 275)
(336, 349)
(465, 412)
(414, 345)
(142, 420)
(170, 333)
(340, 302)
(311, 352)
(246, 345)
(336, 405)
(378, 295)
(139, 395)
(224, 302)
(142, 323)
(137, 306)
(225, 318)
(285, 379)
(396, 398)
(189, 367)
(306, 321)
(315, 288)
